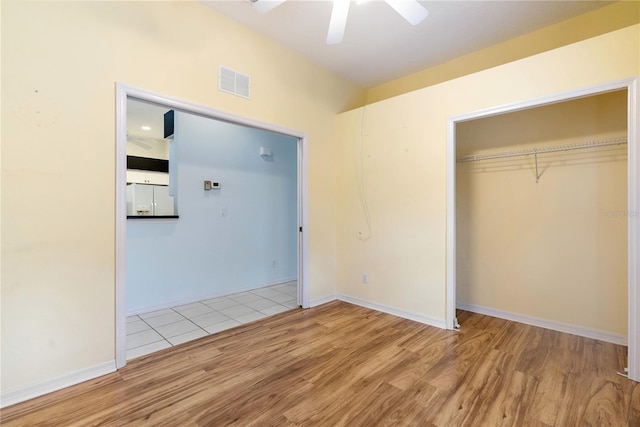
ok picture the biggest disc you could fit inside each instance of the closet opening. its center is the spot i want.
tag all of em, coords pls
(540, 201)
(543, 226)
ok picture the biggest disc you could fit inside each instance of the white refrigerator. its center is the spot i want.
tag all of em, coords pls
(149, 200)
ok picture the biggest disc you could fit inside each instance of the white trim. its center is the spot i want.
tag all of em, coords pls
(122, 93)
(450, 292)
(303, 221)
(438, 323)
(210, 296)
(319, 301)
(546, 100)
(568, 328)
(633, 227)
(633, 139)
(25, 393)
(121, 226)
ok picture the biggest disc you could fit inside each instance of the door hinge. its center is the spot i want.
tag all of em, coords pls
(300, 229)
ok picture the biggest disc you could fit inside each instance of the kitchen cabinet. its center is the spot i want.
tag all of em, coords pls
(149, 200)
(147, 177)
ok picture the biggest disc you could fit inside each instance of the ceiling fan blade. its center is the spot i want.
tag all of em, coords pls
(338, 21)
(410, 10)
(264, 6)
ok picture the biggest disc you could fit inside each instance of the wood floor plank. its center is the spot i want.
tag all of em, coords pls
(634, 409)
(372, 407)
(414, 409)
(510, 404)
(343, 365)
(607, 406)
(454, 367)
(470, 400)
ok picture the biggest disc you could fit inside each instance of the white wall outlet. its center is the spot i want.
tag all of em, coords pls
(365, 278)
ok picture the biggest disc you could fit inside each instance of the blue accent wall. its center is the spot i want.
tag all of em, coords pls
(241, 236)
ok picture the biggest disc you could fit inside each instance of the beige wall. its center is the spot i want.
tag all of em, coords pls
(58, 159)
(555, 250)
(600, 21)
(61, 61)
(402, 144)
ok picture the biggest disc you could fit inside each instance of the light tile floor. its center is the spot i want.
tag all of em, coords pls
(162, 329)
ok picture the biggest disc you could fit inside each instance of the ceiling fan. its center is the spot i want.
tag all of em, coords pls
(410, 10)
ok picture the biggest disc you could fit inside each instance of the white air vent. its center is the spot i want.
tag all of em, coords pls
(234, 82)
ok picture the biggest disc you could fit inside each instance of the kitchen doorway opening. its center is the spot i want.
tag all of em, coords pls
(190, 111)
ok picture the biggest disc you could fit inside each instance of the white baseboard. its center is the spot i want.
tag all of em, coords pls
(547, 324)
(25, 393)
(319, 301)
(176, 303)
(438, 323)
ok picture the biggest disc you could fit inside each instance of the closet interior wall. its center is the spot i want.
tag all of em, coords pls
(555, 250)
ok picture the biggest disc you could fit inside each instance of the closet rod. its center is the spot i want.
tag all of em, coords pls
(545, 150)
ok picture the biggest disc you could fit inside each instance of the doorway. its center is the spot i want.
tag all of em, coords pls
(633, 230)
(198, 112)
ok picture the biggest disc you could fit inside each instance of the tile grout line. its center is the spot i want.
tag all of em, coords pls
(214, 310)
(198, 326)
(186, 318)
(153, 329)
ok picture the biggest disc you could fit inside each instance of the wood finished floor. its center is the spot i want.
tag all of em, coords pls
(343, 365)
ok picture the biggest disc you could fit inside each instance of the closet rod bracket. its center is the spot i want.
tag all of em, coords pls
(535, 156)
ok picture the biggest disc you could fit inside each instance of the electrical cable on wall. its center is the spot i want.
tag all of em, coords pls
(361, 183)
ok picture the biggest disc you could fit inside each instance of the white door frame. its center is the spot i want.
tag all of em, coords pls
(123, 92)
(633, 154)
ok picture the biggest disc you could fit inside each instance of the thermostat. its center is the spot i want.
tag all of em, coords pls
(211, 185)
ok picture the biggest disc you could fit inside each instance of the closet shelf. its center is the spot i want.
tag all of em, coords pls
(535, 151)
(544, 150)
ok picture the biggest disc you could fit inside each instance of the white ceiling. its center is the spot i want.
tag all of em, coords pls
(140, 113)
(379, 45)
